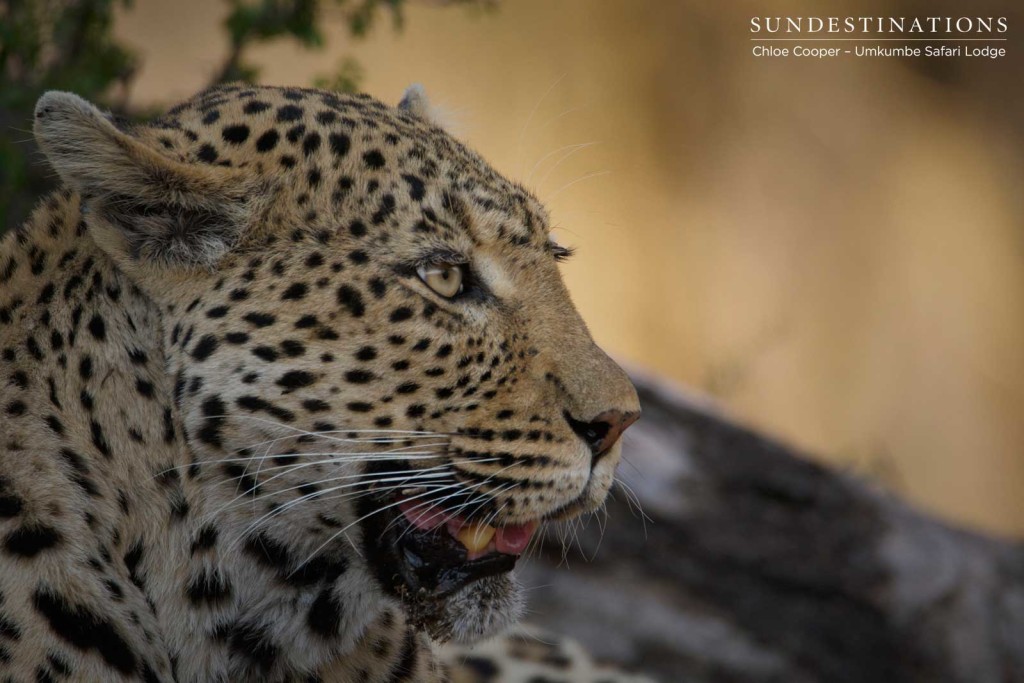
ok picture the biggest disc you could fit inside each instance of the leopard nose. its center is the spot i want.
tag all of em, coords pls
(601, 433)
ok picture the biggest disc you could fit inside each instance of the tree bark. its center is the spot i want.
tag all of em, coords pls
(756, 564)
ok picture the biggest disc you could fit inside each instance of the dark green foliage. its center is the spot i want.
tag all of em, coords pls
(68, 45)
(44, 45)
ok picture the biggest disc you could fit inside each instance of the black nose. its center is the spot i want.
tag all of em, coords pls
(601, 433)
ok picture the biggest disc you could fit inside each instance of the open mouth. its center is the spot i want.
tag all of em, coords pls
(478, 539)
(439, 552)
(425, 553)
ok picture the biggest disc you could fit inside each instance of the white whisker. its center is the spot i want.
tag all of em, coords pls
(565, 187)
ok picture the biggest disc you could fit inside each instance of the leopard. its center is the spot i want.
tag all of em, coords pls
(290, 382)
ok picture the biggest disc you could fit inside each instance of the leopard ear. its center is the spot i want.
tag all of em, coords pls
(142, 206)
(416, 103)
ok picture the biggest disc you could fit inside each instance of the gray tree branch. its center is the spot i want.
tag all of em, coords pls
(757, 564)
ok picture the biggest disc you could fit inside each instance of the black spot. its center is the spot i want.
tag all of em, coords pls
(255, 107)
(315, 405)
(293, 348)
(324, 616)
(416, 187)
(85, 368)
(31, 539)
(46, 295)
(378, 287)
(246, 483)
(217, 312)
(255, 403)
(179, 505)
(253, 643)
(359, 257)
(80, 471)
(267, 141)
(384, 211)
(407, 660)
(311, 144)
(59, 664)
(208, 587)
(98, 328)
(132, 559)
(416, 410)
(236, 337)
(32, 346)
(10, 505)
(207, 153)
(55, 424)
(168, 426)
(206, 346)
(259, 319)
(306, 321)
(143, 387)
(373, 159)
(85, 630)
(366, 353)
(359, 376)
(236, 135)
(206, 539)
(407, 388)
(400, 314)
(360, 407)
(351, 299)
(213, 409)
(211, 117)
(295, 291)
(269, 553)
(98, 439)
(357, 229)
(295, 132)
(16, 408)
(296, 379)
(289, 112)
(267, 353)
(485, 669)
(340, 144)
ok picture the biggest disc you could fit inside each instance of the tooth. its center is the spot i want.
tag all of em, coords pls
(476, 537)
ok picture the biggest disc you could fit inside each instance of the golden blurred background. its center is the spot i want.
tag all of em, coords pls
(835, 250)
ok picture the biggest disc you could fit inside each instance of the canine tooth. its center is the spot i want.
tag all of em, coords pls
(476, 537)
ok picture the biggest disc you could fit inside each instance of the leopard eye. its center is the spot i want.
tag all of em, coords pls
(444, 278)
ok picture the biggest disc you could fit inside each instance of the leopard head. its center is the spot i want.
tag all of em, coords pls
(380, 374)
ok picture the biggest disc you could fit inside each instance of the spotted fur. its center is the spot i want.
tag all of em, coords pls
(215, 347)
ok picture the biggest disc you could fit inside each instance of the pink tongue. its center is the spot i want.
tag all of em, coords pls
(513, 540)
(423, 516)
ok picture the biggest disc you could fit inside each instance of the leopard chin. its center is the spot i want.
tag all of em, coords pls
(482, 609)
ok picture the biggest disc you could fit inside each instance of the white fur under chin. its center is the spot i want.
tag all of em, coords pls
(485, 608)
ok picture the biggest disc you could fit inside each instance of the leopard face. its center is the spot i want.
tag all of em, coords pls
(377, 367)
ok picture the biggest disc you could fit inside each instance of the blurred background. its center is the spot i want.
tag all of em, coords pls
(832, 249)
